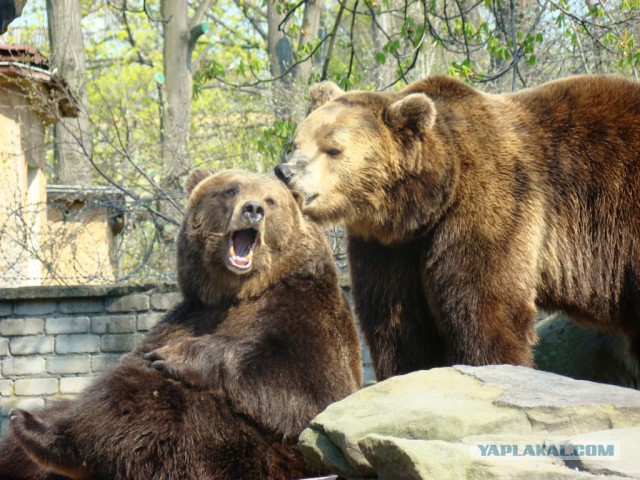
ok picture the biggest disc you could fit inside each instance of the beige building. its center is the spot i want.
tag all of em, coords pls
(81, 227)
(43, 240)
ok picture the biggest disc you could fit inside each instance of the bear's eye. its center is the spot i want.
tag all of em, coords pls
(334, 152)
(286, 152)
(270, 202)
(230, 193)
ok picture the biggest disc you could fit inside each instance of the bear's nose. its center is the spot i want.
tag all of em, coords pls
(284, 173)
(253, 212)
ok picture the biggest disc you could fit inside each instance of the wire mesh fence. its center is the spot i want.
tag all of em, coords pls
(71, 241)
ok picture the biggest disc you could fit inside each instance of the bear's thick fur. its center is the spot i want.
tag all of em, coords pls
(466, 210)
(221, 387)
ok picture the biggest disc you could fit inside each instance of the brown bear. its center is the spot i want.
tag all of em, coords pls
(223, 385)
(465, 210)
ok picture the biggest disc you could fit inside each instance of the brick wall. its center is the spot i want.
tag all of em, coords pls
(55, 340)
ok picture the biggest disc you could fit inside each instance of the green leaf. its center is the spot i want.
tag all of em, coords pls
(418, 34)
(345, 83)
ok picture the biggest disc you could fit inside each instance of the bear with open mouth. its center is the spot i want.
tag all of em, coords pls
(224, 384)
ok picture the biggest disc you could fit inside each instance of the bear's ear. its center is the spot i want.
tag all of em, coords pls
(42, 445)
(322, 93)
(299, 198)
(194, 179)
(415, 111)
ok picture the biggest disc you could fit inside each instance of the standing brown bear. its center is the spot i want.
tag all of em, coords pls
(222, 387)
(465, 210)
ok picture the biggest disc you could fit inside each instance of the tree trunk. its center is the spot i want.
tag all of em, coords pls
(72, 135)
(280, 60)
(178, 90)
(310, 24)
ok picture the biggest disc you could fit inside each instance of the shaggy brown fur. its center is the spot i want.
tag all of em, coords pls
(465, 210)
(222, 387)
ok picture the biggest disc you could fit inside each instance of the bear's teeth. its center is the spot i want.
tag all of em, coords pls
(232, 254)
(246, 259)
(242, 262)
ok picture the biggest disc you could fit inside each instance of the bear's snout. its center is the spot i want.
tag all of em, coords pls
(253, 212)
(284, 173)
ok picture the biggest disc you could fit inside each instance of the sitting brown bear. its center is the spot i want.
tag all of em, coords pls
(465, 211)
(224, 384)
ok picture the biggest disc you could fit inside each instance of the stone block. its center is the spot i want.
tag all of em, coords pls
(31, 345)
(585, 354)
(74, 385)
(371, 433)
(11, 327)
(136, 302)
(113, 324)
(8, 404)
(6, 388)
(348, 295)
(50, 401)
(81, 306)
(68, 364)
(35, 386)
(5, 309)
(147, 321)
(368, 375)
(117, 343)
(67, 325)
(4, 347)
(365, 354)
(137, 339)
(34, 307)
(100, 363)
(77, 343)
(16, 366)
(165, 301)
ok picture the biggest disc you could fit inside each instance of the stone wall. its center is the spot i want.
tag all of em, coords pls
(55, 340)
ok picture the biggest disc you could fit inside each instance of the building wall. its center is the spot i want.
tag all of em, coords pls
(54, 341)
(35, 250)
(78, 251)
(22, 186)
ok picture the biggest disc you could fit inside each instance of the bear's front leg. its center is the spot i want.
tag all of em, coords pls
(484, 312)
(194, 361)
(393, 312)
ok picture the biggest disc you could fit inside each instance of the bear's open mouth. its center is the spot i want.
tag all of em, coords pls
(242, 243)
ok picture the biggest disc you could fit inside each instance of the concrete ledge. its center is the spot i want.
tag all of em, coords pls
(81, 291)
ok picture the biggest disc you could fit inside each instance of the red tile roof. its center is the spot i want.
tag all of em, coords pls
(27, 62)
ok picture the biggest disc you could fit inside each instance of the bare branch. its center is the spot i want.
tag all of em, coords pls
(332, 35)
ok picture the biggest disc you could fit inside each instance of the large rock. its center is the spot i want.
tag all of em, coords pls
(585, 354)
(430, 424)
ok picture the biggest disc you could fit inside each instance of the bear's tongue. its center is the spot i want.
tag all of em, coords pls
(241, 248)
